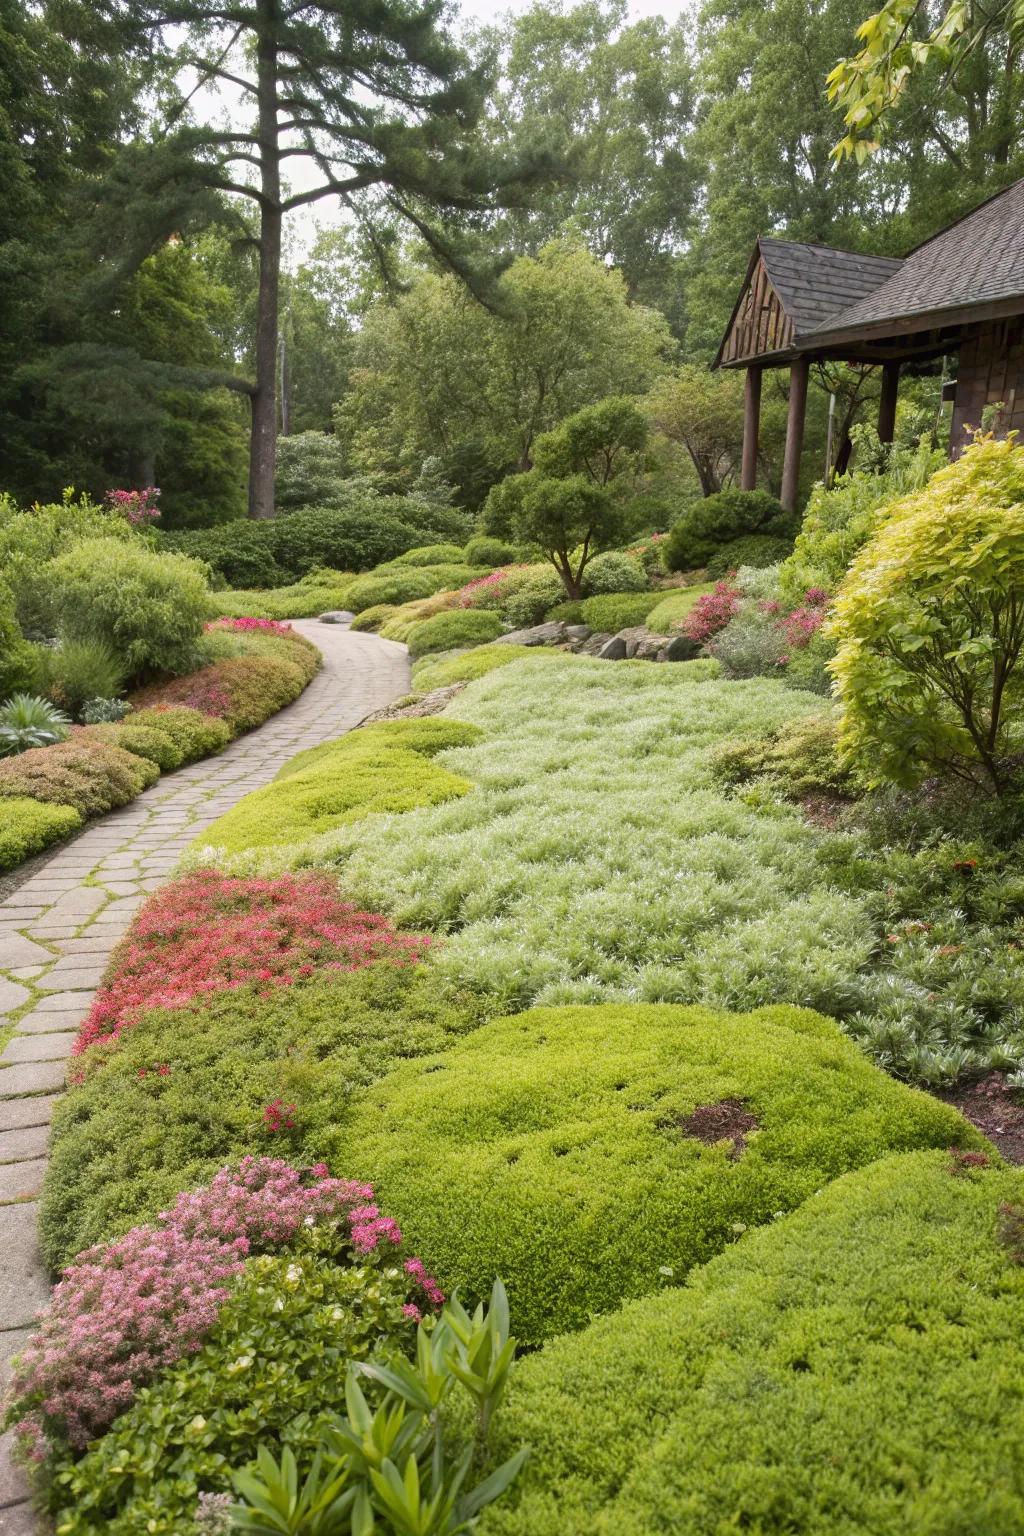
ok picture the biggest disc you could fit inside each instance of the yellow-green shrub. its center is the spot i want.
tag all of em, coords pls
(462, 628)
(930, 628)
(28, 826)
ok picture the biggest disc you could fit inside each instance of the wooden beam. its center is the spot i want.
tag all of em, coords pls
(751, 423)
(887, 404)
(798, 375)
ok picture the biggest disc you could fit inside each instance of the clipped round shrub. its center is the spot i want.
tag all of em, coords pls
(149, 608)
(142, 740)
(29, 826)
(380, 768)
(92, 776)
(434, 554)
(614, 572)
(721, 519)
(586, 1153)
(674, 606)
(567, 612)
(619, 610)
(790, 1387)
(530, 603)
(344, 538)
(197, 734)
(371, 619)
(485, 551)
(395, 586)
(458, 629)
(755, 549)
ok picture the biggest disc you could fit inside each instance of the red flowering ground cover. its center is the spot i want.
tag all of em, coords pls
(209, 932)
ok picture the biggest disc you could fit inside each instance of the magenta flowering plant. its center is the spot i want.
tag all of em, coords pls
(712, 612)
(487, 590)
(265, 626)
(127, 1309)
(136, 507)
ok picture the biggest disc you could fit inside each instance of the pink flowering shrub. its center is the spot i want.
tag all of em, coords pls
(489, 591)
(136, 507)
(802, 624)
(712, 612)
(263, 626)
(127, 1309)
(209, 932)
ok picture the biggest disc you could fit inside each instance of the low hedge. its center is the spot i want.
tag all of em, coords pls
(371, 619)
(28, 826)
(395, 586)
(197, 734)
(554, 1148)
(143, 740)
(853, 1368)
(303, 600)
(128, 1138)
(460, 628)
(619, 610)
(380, 768)
(90, 776)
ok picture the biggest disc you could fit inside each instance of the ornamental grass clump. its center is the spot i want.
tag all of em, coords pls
(210, 933)
(125, 1310)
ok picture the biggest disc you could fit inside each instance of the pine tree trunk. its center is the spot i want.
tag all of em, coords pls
(263, 441)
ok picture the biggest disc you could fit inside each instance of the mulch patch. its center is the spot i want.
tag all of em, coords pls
(730, 1120)
(995, 1110)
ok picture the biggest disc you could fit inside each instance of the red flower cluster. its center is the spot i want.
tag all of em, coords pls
(803, 623)
(712, 612)
(279, 1116)
(478, 592)
(267, 626)
(209, 932)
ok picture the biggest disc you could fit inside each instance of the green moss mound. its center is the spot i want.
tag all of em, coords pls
(619, 610)
(28, 826)
(554, 1148)
(124, 1145)
(441, 671)
(450, 631)
(383, 767)
(854, 1369)
(674, 607)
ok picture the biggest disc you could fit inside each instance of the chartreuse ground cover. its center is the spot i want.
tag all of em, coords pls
(853, 1368)
(563, 1153)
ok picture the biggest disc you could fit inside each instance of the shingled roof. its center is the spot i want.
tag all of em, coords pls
(815, 281)
(978, 260)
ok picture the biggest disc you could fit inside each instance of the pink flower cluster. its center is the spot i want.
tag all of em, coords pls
(267, 626)
(474, 592)
(279, 1116)
(135, 506)
(803, 623)
(209, 932)
(126, 1310)
(712, 612)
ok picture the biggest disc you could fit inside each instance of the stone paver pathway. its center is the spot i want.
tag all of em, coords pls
(57, 931)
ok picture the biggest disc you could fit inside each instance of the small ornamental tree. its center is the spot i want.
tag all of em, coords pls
(930, 628)
(603, 442)
(570, 520)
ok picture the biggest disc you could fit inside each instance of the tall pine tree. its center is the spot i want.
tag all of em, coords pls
(369, 101)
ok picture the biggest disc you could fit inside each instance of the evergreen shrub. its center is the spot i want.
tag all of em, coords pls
(28, 826)
(458, 629)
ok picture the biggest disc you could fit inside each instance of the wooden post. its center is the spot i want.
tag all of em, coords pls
(887, 404)
(798, 375)
(751, 423)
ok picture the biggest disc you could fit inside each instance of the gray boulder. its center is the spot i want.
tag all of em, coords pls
(614, 649)
(593, 645)
(679, 648)
(337, 616)
(553, 633)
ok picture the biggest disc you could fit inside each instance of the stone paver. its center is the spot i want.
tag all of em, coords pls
(67, 917)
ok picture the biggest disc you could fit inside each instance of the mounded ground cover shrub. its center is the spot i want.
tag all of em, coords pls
(371, 619)
(143, 740)
(440, 671)
(597, 859)
(208, 932)
(242, 691)
(437, 554)
(460, 629)
(400, 584)
(584, 1154)
(90, 776)
(197, 734)
(486, 551)
(188, 1089)
(619, 610)
(148, 607)
(302, 600)
(852, 1368)
(674, 606)
(28, 826)
(380, 768)
(614, 572)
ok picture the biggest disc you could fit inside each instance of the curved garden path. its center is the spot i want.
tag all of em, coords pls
(58, 928)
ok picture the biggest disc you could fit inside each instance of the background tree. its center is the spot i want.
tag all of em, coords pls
(622, 97)
(437, 373)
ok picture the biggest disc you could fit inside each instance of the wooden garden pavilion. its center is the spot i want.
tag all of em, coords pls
(962, 292)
